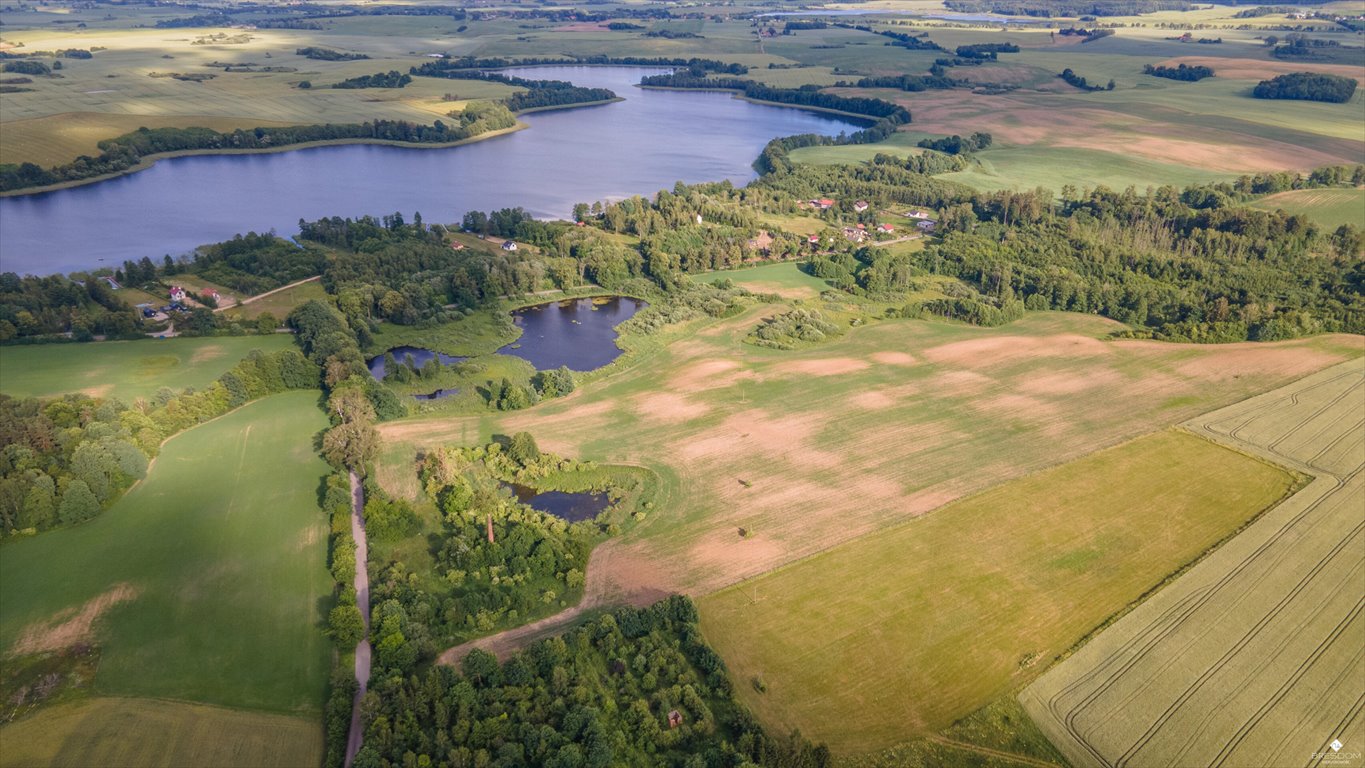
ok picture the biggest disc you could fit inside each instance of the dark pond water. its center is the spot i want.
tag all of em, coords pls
(416, 355)
(572, 507)
(438, 394)
(579, 333)
(636, 146)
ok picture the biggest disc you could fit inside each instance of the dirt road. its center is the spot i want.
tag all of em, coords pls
(267, 293)
(362, 598)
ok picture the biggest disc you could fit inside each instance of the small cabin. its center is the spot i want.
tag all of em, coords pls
(860, 206)
(675, 718)
(508, 245)
(886, 228)
(927, 226)
(177, 294)
(813, 239)
(823, 203)
(918, 214)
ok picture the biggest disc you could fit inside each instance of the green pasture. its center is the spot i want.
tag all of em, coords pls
(207, 580)
(900, 143)
(126, 370)
(1054, 168)
(976, 598)
(1326, 207)
(282, 303)
(785, 279)
(159, 734)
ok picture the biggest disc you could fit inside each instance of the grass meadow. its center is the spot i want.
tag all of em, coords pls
(976, 598)
(1254, 657)
(280, 304)
(126, 370)
(207, 581)
(1328, 208)
(159, 734)
(786, 280)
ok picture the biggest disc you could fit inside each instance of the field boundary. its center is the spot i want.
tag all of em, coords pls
(1223, 572)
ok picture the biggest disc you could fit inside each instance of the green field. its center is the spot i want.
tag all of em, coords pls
(280, 304)
(125, 369)
(1255, 656)
(1031, 167)
(1326, 207)
(974, 599)
(786, 280)
(205, 582)
(159, 734)
(901, 143)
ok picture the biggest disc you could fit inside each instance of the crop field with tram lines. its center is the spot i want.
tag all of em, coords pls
(1255, 656)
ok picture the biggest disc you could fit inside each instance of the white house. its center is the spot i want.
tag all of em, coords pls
(177, 293)
(508, 245)
(860, 206)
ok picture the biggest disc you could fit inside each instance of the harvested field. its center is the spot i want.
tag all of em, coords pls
(149, 732)
(1328, 208)
(1263, 69)
(1255, 656)
(904, 631)
(826, 458)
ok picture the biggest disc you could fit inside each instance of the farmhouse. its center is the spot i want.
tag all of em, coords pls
(508, 245)
(927, 226)
(855, 234)
(823, 203)
(917, 214)
(177, 294)
(885, 228)
(860, 206)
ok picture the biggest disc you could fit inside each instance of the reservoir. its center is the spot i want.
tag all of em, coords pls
(637, 146)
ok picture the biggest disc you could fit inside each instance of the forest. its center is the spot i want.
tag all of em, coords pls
(634, 687)
(327, 54)
(1307, 86)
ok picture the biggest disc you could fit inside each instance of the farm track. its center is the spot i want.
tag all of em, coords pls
(1278, 608)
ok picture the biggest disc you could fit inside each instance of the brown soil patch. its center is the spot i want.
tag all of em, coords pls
(785, 291)
(71, 626)
(1256, 69)
(829, 366)
(893, 358)
(1015, 406)
(755, 431)
(98, 391)
(1236, 361)
(669, 407)
(995, 350)
(874, 400)
(211, 352)
(709, 374)
(1068, 383)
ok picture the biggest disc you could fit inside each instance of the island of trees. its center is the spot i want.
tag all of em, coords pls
(1183, 72)
(1307, 86)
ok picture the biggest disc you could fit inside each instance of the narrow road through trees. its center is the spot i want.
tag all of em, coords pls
(362, 599)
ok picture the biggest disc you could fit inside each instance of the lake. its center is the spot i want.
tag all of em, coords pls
(578, 333)
(636, 146)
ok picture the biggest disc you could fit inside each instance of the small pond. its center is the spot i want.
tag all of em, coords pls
(578, 333)
(570, 507)
(416, 355)
(438, 394)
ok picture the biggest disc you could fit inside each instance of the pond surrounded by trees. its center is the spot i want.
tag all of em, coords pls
(640, 145)
(415, 357)
(570, 507)
(579, 334)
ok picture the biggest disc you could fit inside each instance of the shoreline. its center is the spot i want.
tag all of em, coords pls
(150, 160)
(739, 94)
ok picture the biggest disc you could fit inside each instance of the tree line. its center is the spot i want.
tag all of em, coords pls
(66, 459)
(391, 79)
(124, 152)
